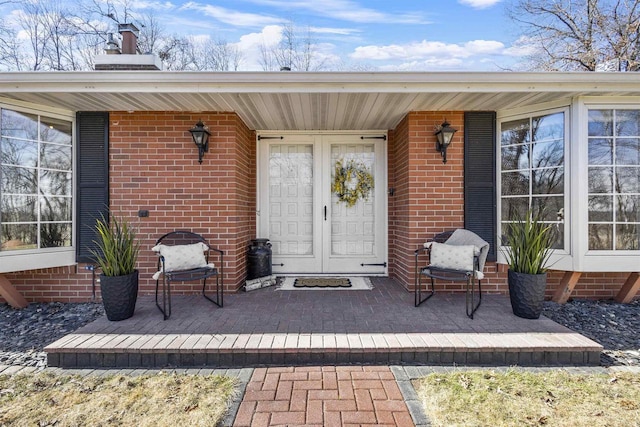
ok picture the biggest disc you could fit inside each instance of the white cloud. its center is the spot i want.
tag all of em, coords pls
(251, 45)
(484, 47)
(479, 4)
(345, 10)
(150, 4)
(233, 17)
(430, 55)
(330, 30)
(524, 46)
(433, 64)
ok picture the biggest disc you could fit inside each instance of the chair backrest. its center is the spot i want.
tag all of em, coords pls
(181, 237)
(466, 237)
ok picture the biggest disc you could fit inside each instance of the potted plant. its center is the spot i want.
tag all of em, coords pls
(116, 256)
(528, 244)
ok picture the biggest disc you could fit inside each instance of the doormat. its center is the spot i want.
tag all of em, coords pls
(322, 282)
(357, 284)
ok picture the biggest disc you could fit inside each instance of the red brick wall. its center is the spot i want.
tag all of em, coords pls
(428, 195)
(154, 166)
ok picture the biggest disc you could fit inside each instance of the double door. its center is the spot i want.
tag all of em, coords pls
(322, 202)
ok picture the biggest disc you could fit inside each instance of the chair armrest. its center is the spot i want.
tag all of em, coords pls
(421, 249)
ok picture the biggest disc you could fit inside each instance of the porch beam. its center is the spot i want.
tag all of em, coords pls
(629, 289)
(566, 285)
(11, 294)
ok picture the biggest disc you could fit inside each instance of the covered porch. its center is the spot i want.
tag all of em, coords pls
(275, 327)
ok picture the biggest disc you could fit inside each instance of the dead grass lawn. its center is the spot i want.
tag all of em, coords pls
(520, 398)
(157, 400)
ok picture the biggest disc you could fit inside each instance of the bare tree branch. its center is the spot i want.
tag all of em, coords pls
(585, 35)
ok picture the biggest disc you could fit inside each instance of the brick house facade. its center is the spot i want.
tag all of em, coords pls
(152, 167)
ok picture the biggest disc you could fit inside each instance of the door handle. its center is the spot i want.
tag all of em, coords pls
(325, 212)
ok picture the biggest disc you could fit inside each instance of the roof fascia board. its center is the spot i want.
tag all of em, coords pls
(291, 82)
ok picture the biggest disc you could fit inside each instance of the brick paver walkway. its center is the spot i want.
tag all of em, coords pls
(323, 396)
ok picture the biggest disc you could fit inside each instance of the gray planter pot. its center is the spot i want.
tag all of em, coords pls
(119, 295)
(526, 292)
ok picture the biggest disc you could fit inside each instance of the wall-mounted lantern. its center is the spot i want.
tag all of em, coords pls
(200, 134)
(444, 136)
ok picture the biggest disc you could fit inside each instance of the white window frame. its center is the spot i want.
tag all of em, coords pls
(560, 259)
(33, 259)
(595, 260)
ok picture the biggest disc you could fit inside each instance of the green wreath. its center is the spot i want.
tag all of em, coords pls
(344, 174)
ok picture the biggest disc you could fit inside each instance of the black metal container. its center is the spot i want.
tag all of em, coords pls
(259, 259)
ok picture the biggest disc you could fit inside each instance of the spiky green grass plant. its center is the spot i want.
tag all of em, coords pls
(118, 249)
(529, 242)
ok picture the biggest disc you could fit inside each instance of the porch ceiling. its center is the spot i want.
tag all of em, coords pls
(307, 101)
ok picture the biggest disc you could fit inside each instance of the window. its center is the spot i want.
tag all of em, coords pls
(36, 206)
(614, 179)
(532, 169)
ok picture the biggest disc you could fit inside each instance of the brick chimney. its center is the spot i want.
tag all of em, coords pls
(126, 57)
(129, 34)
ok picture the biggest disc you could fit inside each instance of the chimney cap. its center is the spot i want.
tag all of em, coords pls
(128, 27)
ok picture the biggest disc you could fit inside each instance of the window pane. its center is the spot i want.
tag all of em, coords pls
(600, 237)
(628, 180)
(515, 183)
(558, 234)
(19, 236)
(628, 122)
(600, 123)
(600, 151)
(55, 209)
(20, 153)
(628, 151)
(19, 209)
(547, 181)
(600, 180)
(549, 208)
(535, 148)
(600, 208)
(58, 183)
(19, 125)
(515, 157)
(548, 127)
(514, 207)
(628, 237)
(17, 180)
(515, 132)
(55, 235)
(628, 209)
(547, 154)
(55, 130)
(56, 156)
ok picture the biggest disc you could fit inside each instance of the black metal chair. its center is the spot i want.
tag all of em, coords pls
(469, 245)
(197, 268)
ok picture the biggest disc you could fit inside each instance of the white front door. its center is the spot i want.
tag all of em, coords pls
(314, 228)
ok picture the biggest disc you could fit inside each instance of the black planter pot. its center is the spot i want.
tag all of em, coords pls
(119, 295)
(526, 292)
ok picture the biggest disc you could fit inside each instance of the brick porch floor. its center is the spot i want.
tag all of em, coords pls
(269, 327)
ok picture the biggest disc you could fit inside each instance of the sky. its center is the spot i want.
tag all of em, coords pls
(384, 35)
(381, 35)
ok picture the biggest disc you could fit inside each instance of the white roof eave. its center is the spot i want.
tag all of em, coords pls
(315, 82)
(315, 100)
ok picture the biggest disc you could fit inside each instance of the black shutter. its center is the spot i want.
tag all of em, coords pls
(92, 190)
(480, 176)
